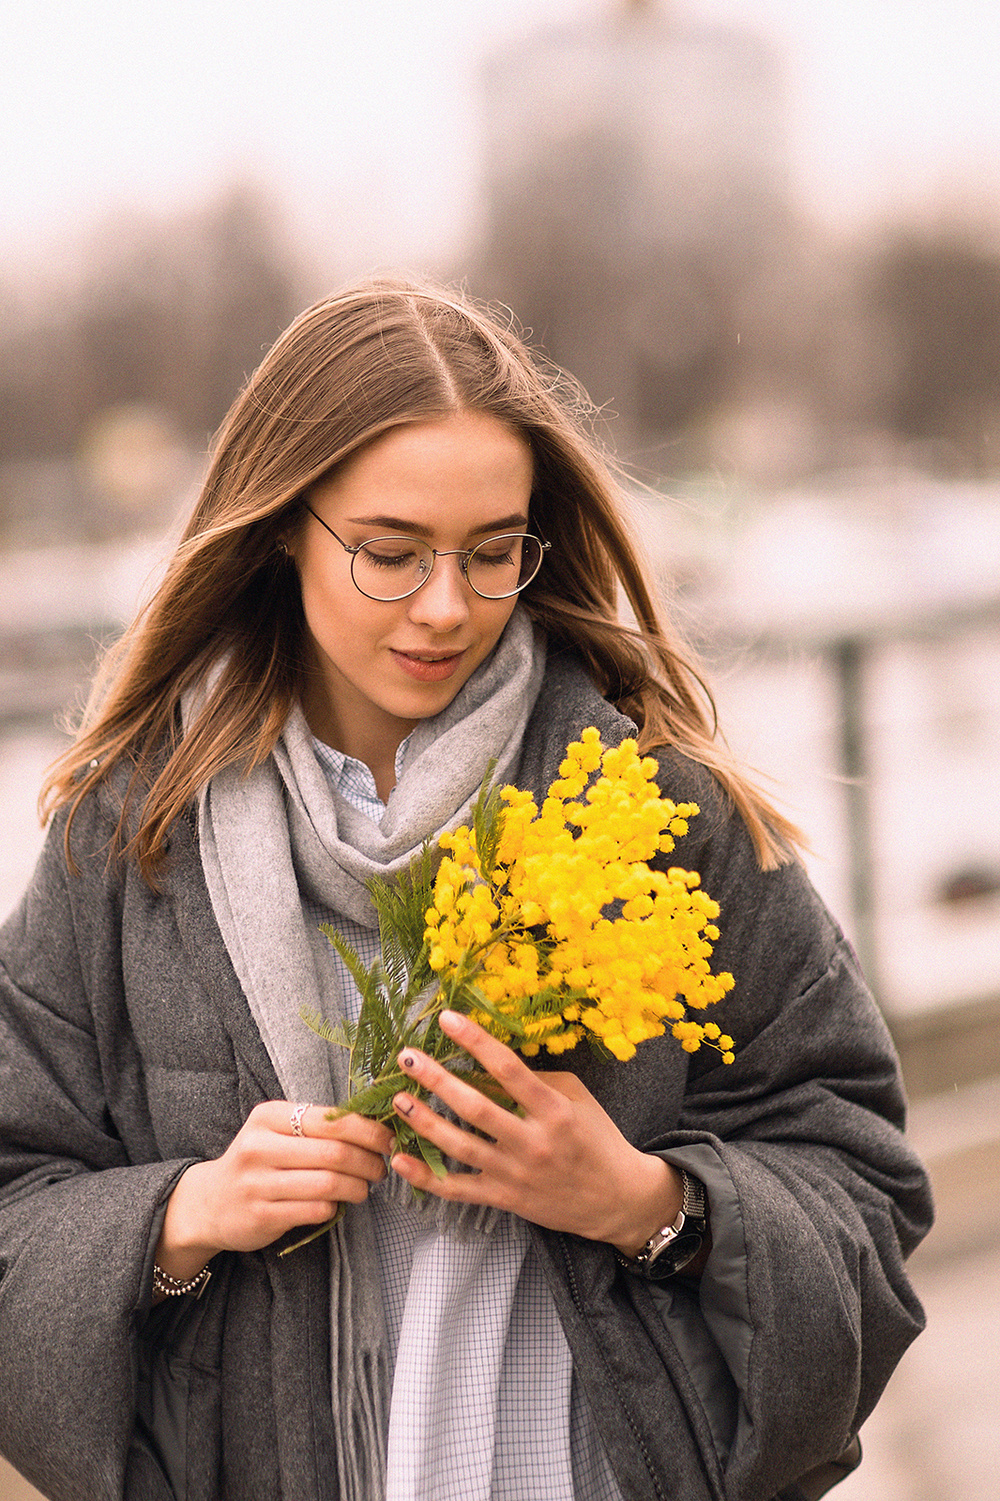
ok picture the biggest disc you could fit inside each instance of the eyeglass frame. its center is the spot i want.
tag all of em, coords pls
(465, 553)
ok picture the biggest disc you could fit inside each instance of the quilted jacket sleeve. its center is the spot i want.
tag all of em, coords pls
(81, 1194)
(820, 1197)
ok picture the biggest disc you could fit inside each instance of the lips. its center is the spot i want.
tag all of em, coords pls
(428, 667)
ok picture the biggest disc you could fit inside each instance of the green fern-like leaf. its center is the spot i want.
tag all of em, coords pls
(375, 1097)
(363, 976)
(400, 906)
(338, 1034)
(381, 1022)
(513, 1024)
(598, 1049)
(432, 1156)
(487, 821)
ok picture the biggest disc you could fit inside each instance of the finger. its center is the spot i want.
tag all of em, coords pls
(463, 1188)
(317, 1185)
(570, 1086)
(525, 1087)
(344, 1159)
(472, 1151)
(326, 1122)
(323, 1154)
(469, 1103)
(334, 1125)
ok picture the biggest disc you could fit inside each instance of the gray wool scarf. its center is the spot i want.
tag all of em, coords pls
(278, 835)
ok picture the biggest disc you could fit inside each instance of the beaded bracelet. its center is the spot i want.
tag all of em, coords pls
(170, 1287)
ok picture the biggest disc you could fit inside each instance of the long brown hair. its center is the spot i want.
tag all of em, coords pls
(228, 615)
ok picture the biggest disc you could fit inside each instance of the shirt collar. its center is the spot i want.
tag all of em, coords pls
(352, 778)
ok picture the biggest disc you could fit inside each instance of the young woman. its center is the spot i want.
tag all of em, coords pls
(667, 1278)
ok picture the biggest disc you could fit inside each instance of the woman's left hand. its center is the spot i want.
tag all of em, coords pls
(561, 1162)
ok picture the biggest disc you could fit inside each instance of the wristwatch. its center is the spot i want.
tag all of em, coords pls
(671, 1248)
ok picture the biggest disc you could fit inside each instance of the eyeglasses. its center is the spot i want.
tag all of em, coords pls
(388, 568)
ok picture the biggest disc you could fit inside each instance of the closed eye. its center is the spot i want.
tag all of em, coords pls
(488, 555)
(392, 552)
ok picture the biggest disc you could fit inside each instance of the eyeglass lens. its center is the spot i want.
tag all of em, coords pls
(392, 567)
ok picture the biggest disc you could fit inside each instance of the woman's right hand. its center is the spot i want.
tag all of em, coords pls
(269, 1181)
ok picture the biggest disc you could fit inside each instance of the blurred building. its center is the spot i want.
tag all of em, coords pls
(638, 208)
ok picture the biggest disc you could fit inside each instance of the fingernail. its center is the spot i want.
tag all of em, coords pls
(403, 1104)
(451, 1017)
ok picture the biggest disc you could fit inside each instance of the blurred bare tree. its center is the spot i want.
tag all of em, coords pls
(936, 297)
(169, 317)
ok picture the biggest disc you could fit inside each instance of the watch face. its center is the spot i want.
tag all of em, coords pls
(675, 1255)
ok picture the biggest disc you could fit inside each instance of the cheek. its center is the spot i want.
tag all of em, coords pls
(495, 618)
(344, 626)
(330, 602)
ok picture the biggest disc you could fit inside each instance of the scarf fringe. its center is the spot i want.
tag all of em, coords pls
(460, 1221)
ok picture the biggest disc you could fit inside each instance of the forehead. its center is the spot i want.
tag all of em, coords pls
(467, 460)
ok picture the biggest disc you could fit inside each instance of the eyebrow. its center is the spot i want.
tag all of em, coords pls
(395, 526)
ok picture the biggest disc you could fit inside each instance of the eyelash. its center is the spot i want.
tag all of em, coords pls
(400, 560)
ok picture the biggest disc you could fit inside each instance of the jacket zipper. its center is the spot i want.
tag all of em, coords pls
(578, 1304)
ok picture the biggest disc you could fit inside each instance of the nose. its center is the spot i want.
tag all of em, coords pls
(443, 602)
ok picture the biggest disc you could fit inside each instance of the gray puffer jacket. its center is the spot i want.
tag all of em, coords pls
(127, 1051)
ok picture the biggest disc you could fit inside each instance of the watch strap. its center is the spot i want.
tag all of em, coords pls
(694, 1204)
(670, 1249)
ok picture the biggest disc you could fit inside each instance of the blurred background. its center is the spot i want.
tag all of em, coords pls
(765, 235)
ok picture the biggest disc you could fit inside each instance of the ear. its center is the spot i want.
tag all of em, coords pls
(285, 546)
(286, 541)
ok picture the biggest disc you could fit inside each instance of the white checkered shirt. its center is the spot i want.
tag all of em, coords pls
(484, 1402)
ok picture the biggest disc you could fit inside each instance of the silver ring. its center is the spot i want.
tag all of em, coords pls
(297, 1115)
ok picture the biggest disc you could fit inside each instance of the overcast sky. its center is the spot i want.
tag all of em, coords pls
(362, 113)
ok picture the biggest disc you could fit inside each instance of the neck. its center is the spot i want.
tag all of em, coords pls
(374, 744)
(385, 778)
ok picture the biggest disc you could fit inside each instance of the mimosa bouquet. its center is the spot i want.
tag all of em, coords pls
(547, 926)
